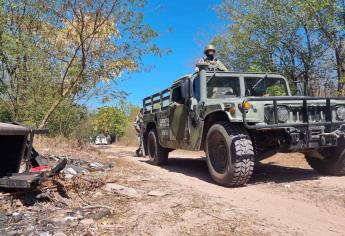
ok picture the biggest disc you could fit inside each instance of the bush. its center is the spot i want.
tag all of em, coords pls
(5, 114)
(109, 121)
(67, 119)
(130, 137)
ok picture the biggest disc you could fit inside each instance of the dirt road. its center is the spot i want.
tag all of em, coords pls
(284, 197)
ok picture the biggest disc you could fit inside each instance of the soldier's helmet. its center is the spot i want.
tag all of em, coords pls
(209, 47)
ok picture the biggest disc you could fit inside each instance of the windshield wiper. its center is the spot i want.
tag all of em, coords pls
(257, 83)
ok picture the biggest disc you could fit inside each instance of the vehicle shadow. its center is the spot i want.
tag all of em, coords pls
(263, 173)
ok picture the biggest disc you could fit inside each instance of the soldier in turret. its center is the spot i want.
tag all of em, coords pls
(210, 58)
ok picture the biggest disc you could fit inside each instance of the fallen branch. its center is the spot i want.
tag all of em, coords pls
(207, 213)
(98, 206)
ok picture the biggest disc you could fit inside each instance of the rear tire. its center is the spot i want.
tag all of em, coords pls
(158, 155)
(333, 162)
(230, 155)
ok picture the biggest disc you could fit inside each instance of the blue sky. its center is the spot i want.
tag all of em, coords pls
(194, 23)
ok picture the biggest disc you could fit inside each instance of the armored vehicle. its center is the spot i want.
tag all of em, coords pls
(241, 118)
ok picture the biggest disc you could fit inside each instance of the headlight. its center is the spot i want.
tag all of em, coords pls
(247, 106)
(340, 113)
(283, 114)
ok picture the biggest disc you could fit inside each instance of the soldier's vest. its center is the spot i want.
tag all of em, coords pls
(214, 65)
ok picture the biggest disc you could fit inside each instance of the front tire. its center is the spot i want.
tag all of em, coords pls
(158, 155)
(230, 155)
(332, 162)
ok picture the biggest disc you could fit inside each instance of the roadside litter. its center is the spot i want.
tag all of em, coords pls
(24, 168)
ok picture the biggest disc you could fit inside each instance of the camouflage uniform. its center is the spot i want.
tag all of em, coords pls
(210, 58)
(215, 64)
(138, 125)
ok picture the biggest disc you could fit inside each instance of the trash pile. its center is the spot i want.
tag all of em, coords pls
(46, 195)
(74, 167)
(22, 166)
(56, 206)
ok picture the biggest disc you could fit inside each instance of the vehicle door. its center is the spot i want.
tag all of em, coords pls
(178, 114)
(195, 121)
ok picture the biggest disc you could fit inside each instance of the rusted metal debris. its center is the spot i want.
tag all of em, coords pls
(29, 179)
(16, 145)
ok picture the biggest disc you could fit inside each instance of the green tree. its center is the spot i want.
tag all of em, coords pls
(94, 41)
(5, 114)
(24, 70)
(109, 121)
(56, 53)
(328, 16)
(67, 118)
(272, 36)
(276, 90)
(130, 137)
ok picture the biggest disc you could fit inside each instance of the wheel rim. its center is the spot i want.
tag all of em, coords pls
(218, 152)
(151, 146)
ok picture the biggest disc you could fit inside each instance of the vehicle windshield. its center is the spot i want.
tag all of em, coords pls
(265, 86)
(223, 87)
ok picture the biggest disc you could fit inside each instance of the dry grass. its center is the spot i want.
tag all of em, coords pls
(64, 146)
(130, 138)
(57, 142)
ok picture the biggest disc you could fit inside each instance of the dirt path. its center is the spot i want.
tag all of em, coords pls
(284, 196)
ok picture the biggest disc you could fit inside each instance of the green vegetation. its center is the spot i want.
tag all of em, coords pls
(276, 90)
(130, 136)
(55, 55)
(109, 121)
(5, 115)
(302, 39)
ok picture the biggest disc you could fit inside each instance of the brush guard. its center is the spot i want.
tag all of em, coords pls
(304, 134)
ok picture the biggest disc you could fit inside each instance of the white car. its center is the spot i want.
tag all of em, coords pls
(102, 140)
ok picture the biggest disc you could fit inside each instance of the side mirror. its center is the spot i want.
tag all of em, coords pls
(192, 104)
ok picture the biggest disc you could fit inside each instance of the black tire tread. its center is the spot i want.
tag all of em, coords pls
(326, 168)
(244, 154)
(162, 153)
(243, 158)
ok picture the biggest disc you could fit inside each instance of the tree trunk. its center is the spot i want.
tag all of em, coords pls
(341, 72)
(50, 112)
(58, 102)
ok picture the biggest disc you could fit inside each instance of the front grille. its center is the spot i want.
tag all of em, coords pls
(296, 114)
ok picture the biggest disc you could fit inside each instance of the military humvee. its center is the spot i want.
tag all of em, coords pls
(241, 118)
